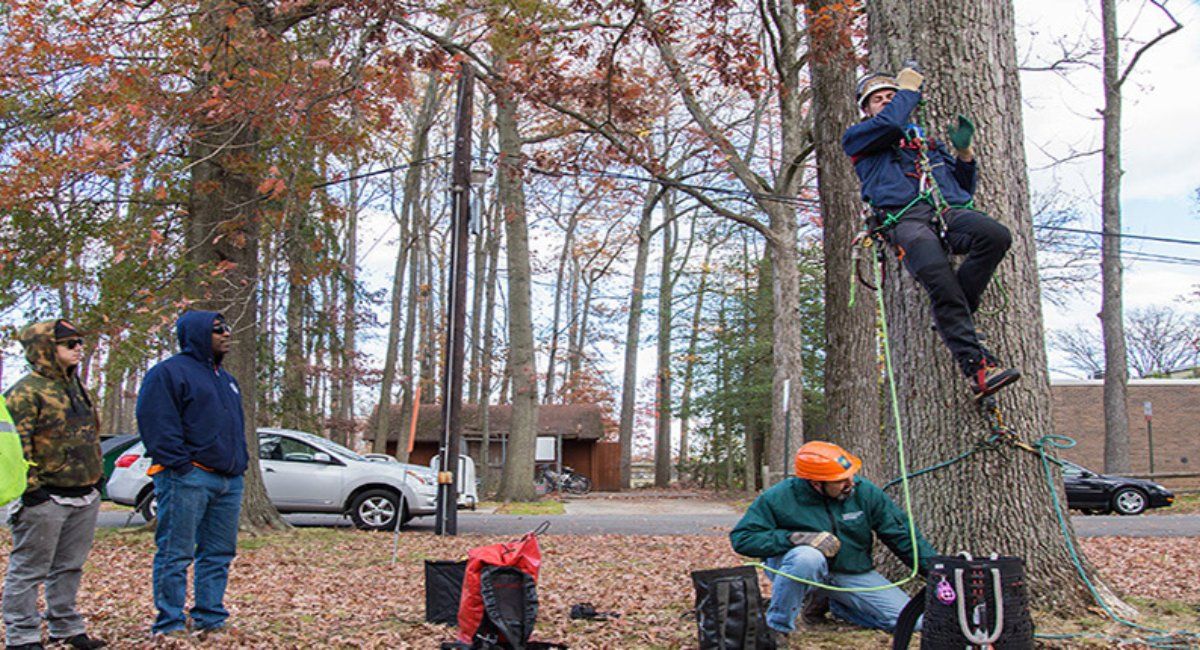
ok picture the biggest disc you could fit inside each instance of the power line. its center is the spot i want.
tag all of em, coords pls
(1122, 235)
(795, 200)
(385, 170)
(1140, 256)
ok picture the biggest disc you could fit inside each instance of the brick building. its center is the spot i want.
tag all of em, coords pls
(1078, 407)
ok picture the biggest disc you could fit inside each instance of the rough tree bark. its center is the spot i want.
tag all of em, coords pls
(293, 397)
(995, 501)
(517, 481)
(851, 362)
(223, 227)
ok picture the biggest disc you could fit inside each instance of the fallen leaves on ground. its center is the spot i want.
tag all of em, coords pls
(338, 588)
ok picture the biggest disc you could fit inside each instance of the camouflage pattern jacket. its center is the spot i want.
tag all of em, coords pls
(59, 427)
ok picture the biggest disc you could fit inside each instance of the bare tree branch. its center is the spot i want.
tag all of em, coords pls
(1176, 26)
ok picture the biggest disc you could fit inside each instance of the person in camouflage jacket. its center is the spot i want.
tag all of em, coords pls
(55, 522)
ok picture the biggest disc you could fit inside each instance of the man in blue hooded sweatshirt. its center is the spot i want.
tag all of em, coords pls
(918, 189)
(189, 413)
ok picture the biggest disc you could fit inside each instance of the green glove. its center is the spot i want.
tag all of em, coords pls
(960, 134)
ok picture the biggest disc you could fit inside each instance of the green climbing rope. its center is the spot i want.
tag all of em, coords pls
(1160, 638)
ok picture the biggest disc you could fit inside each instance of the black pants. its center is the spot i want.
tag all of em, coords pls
(954, 295)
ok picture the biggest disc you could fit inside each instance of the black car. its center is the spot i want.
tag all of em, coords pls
(1101, 494)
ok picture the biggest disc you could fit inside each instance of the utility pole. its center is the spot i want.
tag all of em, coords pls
(452, 376)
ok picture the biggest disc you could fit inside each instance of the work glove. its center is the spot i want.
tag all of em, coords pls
(827, 543)
(960, 134)
(35, 497)
(909, 79)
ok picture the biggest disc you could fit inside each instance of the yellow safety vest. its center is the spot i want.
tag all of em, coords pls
(13, 466)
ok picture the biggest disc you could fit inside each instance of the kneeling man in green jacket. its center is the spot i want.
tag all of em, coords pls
(819, 527)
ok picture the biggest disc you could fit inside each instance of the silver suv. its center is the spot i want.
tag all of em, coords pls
(307, 473)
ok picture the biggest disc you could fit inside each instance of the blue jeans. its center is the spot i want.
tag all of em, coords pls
(197, 520)
(872, 609)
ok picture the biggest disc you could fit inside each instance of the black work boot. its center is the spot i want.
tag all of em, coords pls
(79, 642)
(780, 638)
(25, 646)
(990, 378)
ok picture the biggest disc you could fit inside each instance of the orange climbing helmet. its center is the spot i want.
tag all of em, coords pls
(825, 461)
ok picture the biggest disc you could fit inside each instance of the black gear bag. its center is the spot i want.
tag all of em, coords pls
(510, 607)
(729, 610)
(970, 603)
(443, 590)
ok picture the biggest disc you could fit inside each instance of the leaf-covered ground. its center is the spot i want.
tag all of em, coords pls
(338, 588)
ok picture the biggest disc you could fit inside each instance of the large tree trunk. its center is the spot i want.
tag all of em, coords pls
(222, 233)
(632, 336)
(1112, 312)
(517, 483)
(662, 402)
(787, 427)
(994, 501)
(293, 398)
(851, 364)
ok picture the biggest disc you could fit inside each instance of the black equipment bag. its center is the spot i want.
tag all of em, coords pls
(443, 590)
(509, 612)
(970, 603)
(729, 610)
(510, 606)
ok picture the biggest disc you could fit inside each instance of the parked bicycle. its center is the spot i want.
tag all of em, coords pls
(548, 480)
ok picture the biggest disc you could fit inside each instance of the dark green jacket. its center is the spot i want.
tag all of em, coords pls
(58, 424)
(794, 505)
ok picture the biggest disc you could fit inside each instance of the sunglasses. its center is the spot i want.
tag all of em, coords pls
(71, 344)
(221, 329)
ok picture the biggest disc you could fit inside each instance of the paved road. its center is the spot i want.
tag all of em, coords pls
(714, 523)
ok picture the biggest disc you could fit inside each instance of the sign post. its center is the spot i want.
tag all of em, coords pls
(1148, 410)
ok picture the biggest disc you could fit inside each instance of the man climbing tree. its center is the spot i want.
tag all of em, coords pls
(922, 200)
(998, 500)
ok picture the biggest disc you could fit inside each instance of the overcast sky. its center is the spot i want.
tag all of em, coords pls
(1160, 143)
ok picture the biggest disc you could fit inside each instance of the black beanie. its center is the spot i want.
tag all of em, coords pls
(64, 330)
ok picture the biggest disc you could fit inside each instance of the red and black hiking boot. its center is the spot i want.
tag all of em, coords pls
(991, 378)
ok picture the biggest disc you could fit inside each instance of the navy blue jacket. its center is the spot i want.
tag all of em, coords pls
(189, 409)
(884, 159)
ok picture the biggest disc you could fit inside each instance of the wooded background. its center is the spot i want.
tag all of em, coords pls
(664, 175)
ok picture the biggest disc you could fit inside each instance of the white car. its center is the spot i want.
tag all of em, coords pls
(307, 473)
